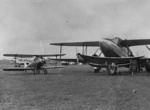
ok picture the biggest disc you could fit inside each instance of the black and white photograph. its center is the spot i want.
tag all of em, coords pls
(74, 55)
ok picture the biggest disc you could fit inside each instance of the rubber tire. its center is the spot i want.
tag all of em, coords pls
(96, 70)
(45, 71)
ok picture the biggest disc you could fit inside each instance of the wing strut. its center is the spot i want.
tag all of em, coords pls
(77, 54)
(147, 47)
(84, 49)
(15, 61)
(100, 49)
(60, 50)
(56, 61)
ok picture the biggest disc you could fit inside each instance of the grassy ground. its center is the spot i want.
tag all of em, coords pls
(73, 88)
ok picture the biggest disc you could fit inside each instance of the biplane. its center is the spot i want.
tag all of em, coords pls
(116, 53)
(38, 64)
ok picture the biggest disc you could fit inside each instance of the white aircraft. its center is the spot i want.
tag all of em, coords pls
(38, 64)
(21, 61)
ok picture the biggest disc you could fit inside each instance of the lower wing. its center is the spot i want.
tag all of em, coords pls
(16, 69)
(66, 59)
(104, 61)
(51, 67)
(23, 69)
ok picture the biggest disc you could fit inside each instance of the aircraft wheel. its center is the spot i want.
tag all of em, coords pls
(38, 71)
(45, 71)
(34, 71)
(112, 69)
(96, 70)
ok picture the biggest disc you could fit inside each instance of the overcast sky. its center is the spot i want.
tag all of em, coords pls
(28, 26)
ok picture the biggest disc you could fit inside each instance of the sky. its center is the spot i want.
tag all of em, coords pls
(28, 26)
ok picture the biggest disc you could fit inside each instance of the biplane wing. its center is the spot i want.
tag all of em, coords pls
(135, 42)
(66, 59)
(100, 60)
(90, 43)
(32, 55)
(30, 68)
(38, 63)
(16, 69)
(126, 43)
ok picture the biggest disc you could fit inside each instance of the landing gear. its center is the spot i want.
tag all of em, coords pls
(96, 70)
(133, 67)
(45, 71)
(35, 71)
(112, 69)
(38, 68)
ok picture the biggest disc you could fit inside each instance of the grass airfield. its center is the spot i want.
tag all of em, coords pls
(73, 88)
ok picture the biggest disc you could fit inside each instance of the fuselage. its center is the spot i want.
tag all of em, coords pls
(112, 48)
(35, 62)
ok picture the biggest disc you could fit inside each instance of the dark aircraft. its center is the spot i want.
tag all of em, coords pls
(38, 64)
(116, 51)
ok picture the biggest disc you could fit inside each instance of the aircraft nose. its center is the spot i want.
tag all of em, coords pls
(104, 45)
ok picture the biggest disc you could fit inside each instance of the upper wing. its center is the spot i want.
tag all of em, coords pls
(32, 55)
(135, 42)
(102, 60)
(90, 43)
(97, 43)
